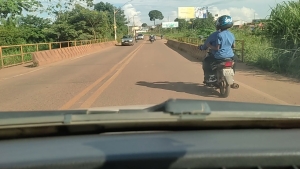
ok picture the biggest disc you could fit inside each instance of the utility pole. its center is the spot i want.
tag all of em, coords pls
(128, 25)
(133, 24)
(115, 25)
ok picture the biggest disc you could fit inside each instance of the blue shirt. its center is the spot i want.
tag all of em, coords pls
(225, 39)
(212, 39)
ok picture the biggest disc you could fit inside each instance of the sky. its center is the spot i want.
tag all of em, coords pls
(137, 10)
(244, 10)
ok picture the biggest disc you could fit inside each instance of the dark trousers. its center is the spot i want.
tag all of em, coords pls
(206, 65)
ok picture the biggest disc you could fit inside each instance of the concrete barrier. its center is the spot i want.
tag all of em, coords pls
(190, 49)
(50, 56)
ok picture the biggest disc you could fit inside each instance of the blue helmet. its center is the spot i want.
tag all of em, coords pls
(224, 22)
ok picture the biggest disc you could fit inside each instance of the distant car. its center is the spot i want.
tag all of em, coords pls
(127, 40)
(140, 37)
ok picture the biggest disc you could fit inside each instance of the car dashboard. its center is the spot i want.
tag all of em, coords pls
(210, 149)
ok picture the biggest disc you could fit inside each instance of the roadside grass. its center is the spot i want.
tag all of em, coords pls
(263, 52)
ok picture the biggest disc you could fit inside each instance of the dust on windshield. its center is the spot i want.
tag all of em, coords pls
(60, 55)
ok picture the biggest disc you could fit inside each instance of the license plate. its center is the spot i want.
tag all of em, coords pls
(228, 72)
(126, 42)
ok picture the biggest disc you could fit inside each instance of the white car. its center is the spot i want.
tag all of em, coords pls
(140, 37)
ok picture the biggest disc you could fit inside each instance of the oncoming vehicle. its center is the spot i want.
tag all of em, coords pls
(140, 37)
(127, 40)
(152, 38)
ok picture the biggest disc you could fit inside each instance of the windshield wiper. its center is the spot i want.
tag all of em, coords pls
(172, 110)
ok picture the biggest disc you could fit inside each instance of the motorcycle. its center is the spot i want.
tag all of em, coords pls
(151, 40)
(222, 78)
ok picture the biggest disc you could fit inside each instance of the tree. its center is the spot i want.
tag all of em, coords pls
(69, 23)
(58, 6)
(80, 24)
(144, 25)
(121, 20)
(155, 14)
(182, 24)
(32, 28)
(94, 20)
(204, 23)
(13, 8)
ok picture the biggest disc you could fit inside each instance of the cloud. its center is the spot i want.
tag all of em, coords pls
(132, 13)
(246, 14)
(170, 16)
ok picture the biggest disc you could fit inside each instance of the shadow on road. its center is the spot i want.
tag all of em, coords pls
(184, 87)
(31, 65)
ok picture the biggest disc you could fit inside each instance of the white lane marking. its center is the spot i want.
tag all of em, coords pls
(22, 74)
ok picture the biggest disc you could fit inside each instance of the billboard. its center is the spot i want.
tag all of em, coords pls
(192, 12)
(169, 24)
(186, 12)
(200, 12)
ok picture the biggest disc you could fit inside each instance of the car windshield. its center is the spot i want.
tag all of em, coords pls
(127, 36)
(70, 55)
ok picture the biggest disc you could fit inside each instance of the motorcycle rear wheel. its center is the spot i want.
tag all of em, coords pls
(224, 89)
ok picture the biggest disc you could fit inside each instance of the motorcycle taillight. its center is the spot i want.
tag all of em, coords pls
(228, 64)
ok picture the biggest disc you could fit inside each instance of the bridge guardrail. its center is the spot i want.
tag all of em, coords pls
(13, 55)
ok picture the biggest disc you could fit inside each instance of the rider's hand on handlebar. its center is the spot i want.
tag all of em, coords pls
(201, 47)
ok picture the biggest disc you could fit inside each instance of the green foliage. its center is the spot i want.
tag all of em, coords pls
(72, 22)
(283, 24)
(121, 20)
(192, 27)
(14, 8)
(79, 23)
(155, 14)
(58, 6)
(275, 47)
(144, 25)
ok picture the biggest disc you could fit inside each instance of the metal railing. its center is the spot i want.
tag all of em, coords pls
(20, 54)
(239, 49)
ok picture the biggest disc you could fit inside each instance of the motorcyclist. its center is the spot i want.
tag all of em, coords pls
(152, 37)
(210, 56)
(221, 47)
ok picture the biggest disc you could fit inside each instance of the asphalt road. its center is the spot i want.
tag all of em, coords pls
(131, 75)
